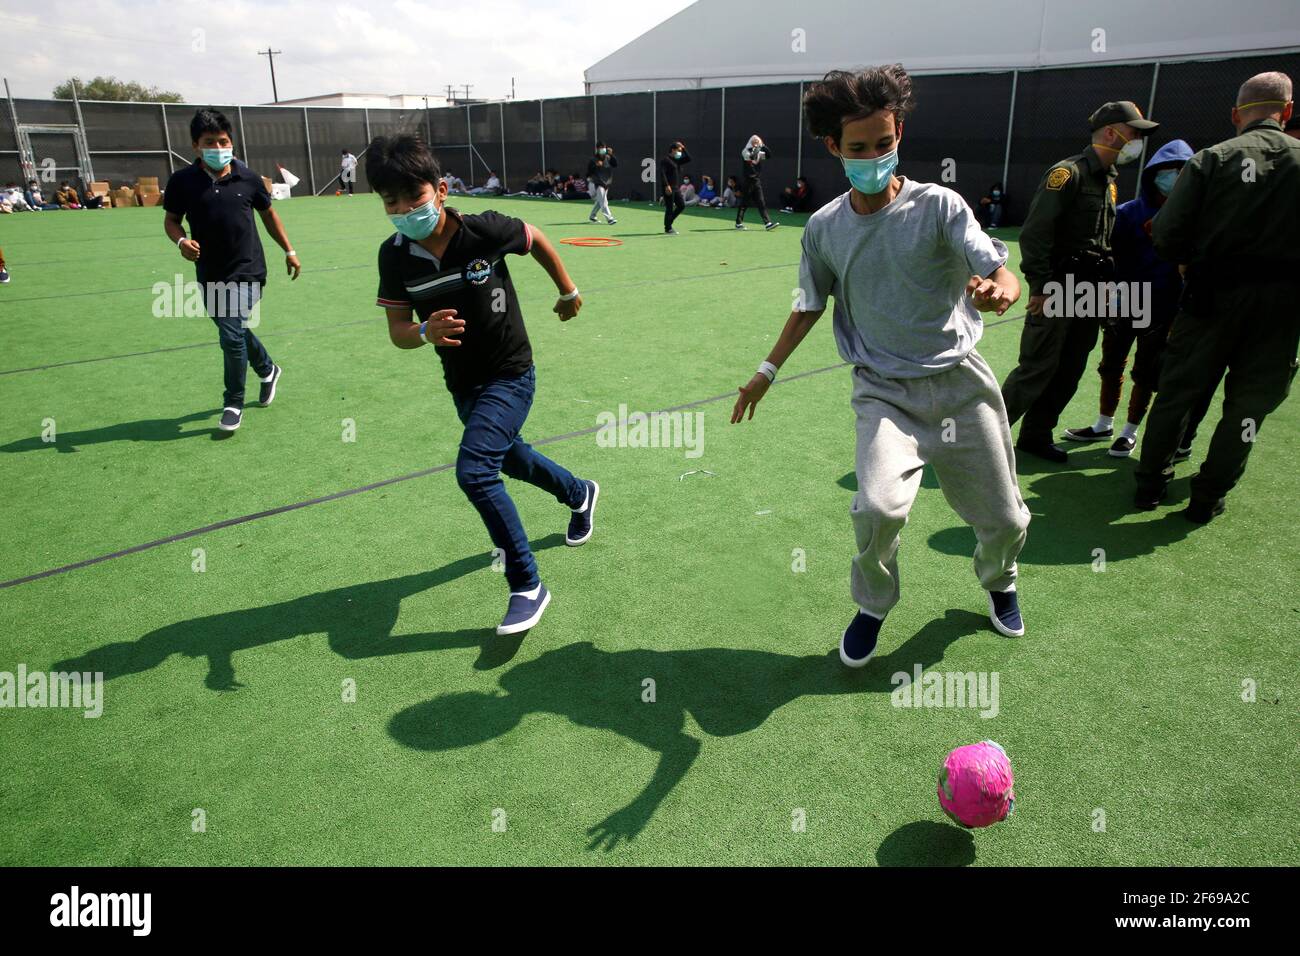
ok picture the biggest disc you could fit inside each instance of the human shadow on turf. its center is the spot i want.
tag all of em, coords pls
(1075, 513)
(147, 429)
(358, 621)
(726, 691)
(927, 843)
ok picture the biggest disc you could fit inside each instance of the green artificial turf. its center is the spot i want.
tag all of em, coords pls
(225, 689)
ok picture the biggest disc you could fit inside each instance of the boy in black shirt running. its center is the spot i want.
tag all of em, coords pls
(449, 271)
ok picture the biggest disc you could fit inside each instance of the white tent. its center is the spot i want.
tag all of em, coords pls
(744, 42)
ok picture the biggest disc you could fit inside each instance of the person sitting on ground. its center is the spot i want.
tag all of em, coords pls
(490, 188)
(689, 196)
(91, 200)
(989, 213)
(708, 195)
(454, 183)
(731, 195)
(67, 197)
(795, 198)
(35, 199)
(578, 188)
(538, 185)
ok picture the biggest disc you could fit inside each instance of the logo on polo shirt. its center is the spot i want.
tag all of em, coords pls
(478, 271)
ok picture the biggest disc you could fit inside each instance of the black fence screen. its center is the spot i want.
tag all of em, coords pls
(626, 122)
(957, 135)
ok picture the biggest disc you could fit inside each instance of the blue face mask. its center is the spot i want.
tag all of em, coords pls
(217, 159)
(1165, 180)
(419, 223)
(870, 176)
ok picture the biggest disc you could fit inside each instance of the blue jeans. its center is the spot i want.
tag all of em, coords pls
(231, 307)
(493, 415)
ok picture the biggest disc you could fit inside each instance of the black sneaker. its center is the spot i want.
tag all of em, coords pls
(582, 523)
(1087, 434)
(771, 225)
(1198, 512)
(230, 419)
(1004, 613)
(858, 643)
(670, 231)
(267, 395)
(1123, 447)
(740, 225)
(524, 612)
(4, 277)
(1181, 455)
(612, 221)
(1148, 498)
(1044, 449)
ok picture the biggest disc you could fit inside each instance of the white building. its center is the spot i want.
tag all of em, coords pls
(716, 43)
(396, 101)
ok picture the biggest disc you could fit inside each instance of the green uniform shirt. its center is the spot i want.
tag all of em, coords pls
(1073, 211)
(1237, 202)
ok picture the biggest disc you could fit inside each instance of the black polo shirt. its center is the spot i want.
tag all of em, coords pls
(221, 219)
(472, 278)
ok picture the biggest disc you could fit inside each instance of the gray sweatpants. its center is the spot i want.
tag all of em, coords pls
(956, 422)
(601, 203)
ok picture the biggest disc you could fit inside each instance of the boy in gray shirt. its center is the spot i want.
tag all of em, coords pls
(910, 269)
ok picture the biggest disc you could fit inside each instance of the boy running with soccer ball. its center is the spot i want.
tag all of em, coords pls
(449, 271)
(910, 271)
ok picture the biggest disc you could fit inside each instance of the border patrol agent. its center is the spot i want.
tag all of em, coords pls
(1066, 239)
(1232, 222)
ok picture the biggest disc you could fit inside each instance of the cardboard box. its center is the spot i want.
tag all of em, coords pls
(279, 191)
(151, 199)
(147, 181)
(124, 196)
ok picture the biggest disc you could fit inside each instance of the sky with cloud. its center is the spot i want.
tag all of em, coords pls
(207, 52)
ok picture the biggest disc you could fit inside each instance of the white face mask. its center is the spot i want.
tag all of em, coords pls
(1131, 151)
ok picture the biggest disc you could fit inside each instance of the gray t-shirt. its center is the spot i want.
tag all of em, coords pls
(899, 279)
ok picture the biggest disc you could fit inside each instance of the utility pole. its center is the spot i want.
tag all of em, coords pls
(467, 89)
(451, 95)
(271, 55)
(512, 87)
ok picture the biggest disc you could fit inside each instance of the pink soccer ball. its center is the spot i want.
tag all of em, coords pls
(975, 785)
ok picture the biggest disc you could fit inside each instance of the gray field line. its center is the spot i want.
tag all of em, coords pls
(244, 519)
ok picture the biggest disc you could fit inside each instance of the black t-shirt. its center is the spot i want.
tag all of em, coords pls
(220, 215)
(471, 277)
(602, 175)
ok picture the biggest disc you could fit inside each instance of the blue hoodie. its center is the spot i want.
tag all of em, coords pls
(1135, 256)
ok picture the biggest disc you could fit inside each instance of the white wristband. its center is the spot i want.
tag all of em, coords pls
(571, 296)
(768, 370)
(180, 240)
(422, 338)
(289, 252)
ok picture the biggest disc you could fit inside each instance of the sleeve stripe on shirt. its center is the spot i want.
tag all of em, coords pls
(393, 303)
(528, 237)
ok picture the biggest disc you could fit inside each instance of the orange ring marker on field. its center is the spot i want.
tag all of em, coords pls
(595, 242)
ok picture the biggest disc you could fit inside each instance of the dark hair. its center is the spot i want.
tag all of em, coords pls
(399, 166)
(843, 96)
(209, 121)
(601, 144)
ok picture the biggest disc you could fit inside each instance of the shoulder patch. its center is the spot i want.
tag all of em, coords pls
(1058, 177)
(1114, 194)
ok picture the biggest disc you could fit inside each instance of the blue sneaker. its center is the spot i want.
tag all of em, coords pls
(582, 523)
(1004, 612)
(858, 645)
(524, 612)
